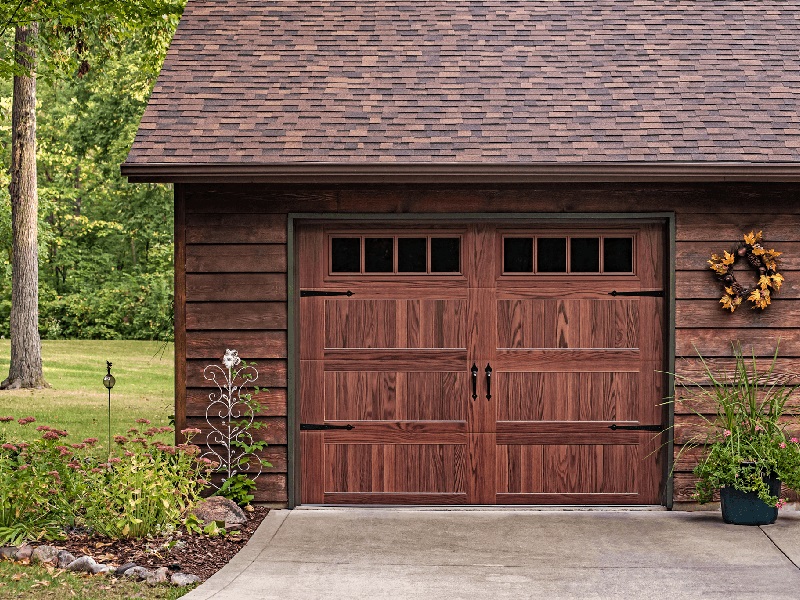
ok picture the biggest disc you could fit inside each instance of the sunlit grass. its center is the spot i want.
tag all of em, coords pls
(78, 402)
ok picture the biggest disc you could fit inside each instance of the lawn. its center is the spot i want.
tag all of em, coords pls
(77, 400)
(40, 583)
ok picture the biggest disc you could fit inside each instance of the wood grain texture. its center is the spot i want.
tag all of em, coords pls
(232, 258)
(571, 498)
(408, 360)
(180, 311)
(709, 313)
(273, 432)
(389, 499)
(694, 255)
(271, 372)
(212, 344)
(703, 285)
(718, 342)
(233, 228)
(395, 468)
(236, 315)
(693, 370)
(275, 455)
(565, 360)
(729, 228)
(272, 401)
(235, 287)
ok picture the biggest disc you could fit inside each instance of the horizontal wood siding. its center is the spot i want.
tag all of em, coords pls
(235, 278)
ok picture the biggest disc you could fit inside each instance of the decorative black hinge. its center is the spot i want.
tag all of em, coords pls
(306, 293)
(657, 428)
(655, 293)
(316, 427)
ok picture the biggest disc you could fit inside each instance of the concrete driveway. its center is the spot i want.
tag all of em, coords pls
(497, 554)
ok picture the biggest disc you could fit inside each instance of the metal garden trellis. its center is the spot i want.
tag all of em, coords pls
(230, 415)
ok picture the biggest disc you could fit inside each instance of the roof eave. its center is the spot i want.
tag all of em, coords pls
(386, 172)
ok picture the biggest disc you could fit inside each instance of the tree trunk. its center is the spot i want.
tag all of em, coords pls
(25, 370)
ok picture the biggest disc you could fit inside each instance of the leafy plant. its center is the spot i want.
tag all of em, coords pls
(238, 488)
(747, 441)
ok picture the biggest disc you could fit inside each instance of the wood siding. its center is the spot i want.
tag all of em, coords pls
(231, 277)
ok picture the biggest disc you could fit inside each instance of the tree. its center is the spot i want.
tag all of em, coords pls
(74, 31)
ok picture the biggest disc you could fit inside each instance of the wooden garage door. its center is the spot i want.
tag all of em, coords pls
(481, 364)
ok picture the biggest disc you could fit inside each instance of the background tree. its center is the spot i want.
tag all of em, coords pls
(69, 36)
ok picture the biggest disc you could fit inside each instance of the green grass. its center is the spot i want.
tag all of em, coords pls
(35, 582)
(77, 400)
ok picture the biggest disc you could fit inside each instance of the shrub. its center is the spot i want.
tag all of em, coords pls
(49, 485)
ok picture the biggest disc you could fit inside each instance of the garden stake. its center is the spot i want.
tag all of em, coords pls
(109, 382)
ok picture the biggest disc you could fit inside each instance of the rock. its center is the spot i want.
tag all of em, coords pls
(184, 579)
(8, 552)
(218, 508)
(45, 555)
(24, 552)
(84, 564)
(64, 558)
(138, 573)
(98, 568)
(122, 569)
(158, 576)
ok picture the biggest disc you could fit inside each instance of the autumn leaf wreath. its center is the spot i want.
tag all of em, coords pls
(763, 261)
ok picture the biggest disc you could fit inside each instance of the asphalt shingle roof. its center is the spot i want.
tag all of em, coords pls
(493, 81)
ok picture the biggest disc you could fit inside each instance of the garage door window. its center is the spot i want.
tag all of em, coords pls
(568, 254)
(412, 255)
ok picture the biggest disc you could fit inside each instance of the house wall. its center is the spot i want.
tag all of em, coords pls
(231, 278)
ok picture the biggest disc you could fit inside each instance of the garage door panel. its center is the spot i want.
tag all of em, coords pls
(567, 469)
(396, 468)
(409, 360)
(567, 360)
(559, 323)
(398, 432)
(532, 396)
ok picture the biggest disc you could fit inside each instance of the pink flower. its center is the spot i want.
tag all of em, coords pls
(54, 475)
(90, 441)
(783, 444)
(141, 441)
(128, 453)
(794, 440)
(6, 419)
(759, 428)
(133, 430)
(9, 447)
(50, 435)
(23, 467)
(727, 433)
(143, 421)
(114, 460)
(26, 420)
(42, 427)
(96, 470)
(165, 429)
(74, 466)
(190, 431)
(780, 504)
(120, 439)
(79, 446)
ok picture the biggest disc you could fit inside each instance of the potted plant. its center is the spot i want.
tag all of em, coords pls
(749, 449)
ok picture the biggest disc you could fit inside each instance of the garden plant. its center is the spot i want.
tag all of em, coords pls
(749, 440)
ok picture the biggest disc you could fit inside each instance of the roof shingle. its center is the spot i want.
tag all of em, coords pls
(492, 81)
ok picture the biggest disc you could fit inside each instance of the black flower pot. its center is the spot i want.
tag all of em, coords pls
(746, 508)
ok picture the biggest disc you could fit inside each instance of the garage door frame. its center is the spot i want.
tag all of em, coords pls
(295, 219)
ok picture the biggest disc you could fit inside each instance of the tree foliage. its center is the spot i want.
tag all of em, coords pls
(105, 245)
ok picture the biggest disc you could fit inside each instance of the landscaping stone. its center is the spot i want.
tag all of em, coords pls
(84, 564)
(24, 552)
(8, 552)
(122, 569)
(45, 555)
(99, 568)
(138, 573)
(64, 558)
(183, 579)
(218, 508)
(160, 575)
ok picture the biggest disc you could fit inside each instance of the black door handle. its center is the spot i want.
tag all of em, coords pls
(488, 370)
(474, 372)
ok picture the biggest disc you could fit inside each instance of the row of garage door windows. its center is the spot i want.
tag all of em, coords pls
(442, 255)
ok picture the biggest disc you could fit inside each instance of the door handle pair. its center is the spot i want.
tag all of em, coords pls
(474, 372)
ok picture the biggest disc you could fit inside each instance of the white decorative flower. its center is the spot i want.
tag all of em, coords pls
(231, 358)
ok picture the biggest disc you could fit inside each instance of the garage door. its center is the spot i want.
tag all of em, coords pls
(481, 363)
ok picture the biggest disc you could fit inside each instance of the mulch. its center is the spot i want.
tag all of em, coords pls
(199, 555)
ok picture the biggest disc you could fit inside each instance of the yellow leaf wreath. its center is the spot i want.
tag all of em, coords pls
(764, 261)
